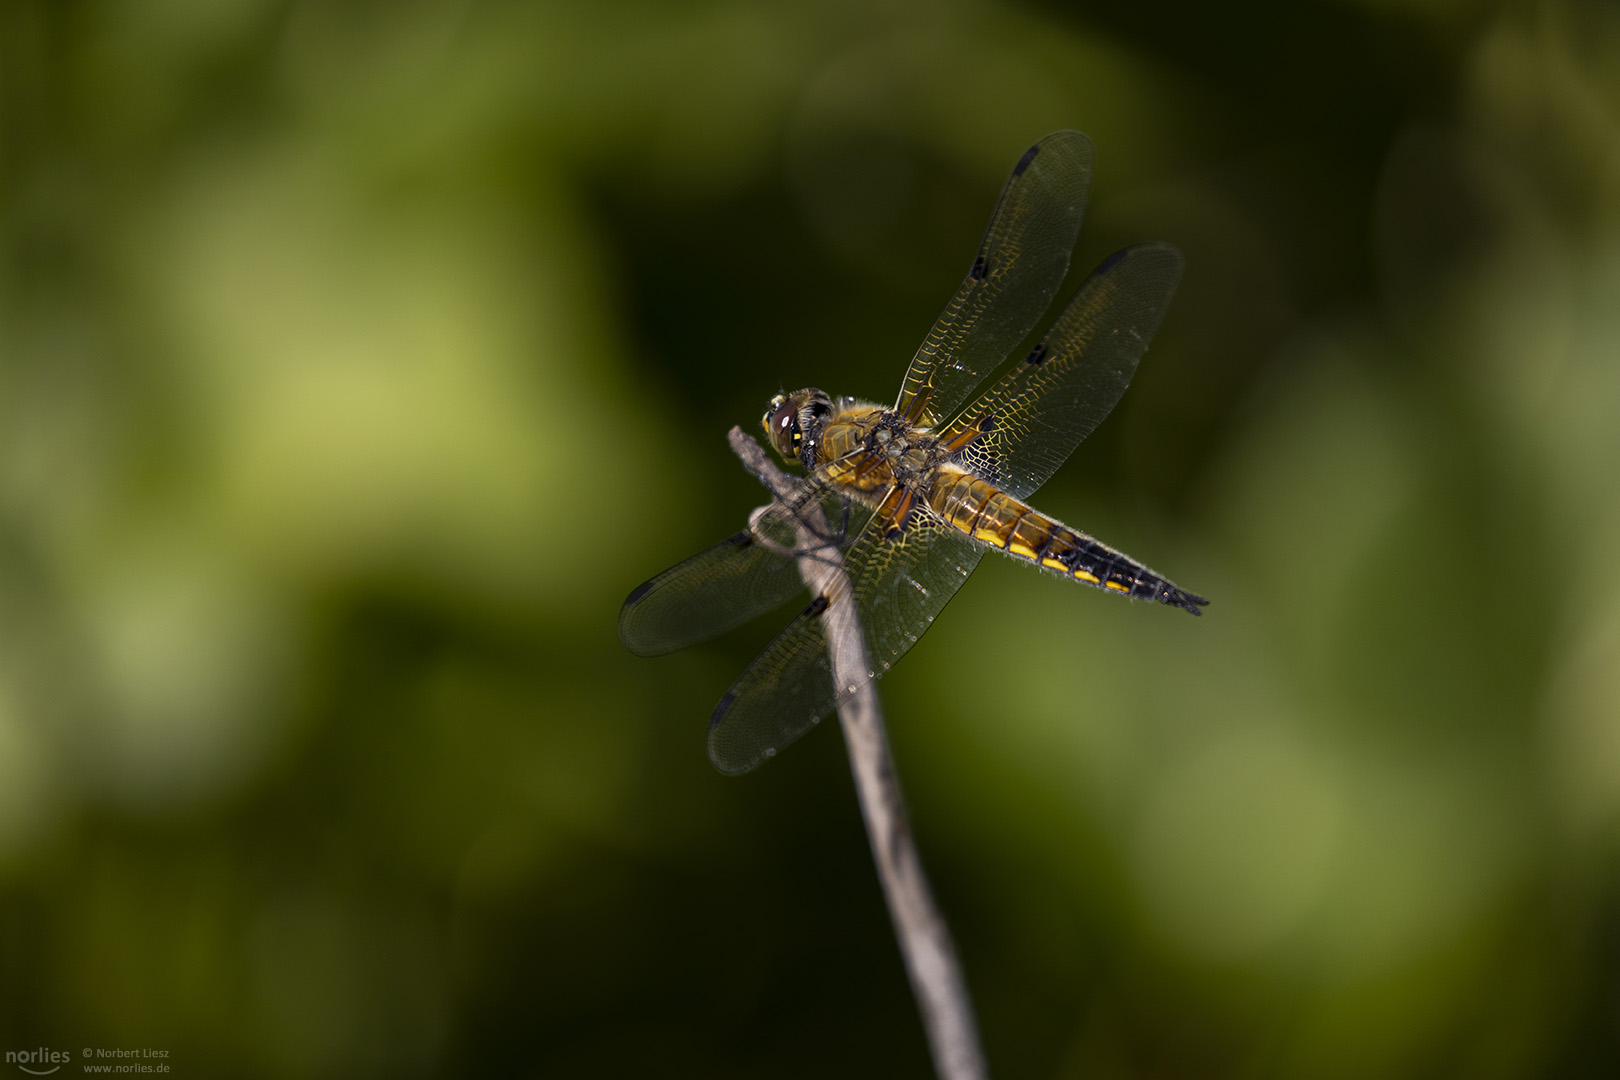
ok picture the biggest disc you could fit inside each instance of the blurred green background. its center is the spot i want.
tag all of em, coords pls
(357, 358)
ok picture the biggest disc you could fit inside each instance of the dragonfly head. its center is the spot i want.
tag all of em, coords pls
(793, 421)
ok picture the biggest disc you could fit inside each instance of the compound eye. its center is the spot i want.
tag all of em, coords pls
(782, 425)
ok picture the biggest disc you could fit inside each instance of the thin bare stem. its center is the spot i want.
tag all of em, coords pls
(925, 939)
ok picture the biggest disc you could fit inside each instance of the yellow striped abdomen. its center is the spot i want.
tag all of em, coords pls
(991, 516)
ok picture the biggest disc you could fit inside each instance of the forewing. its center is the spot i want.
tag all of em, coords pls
(1017, 271)
(900, 586)
(1038, 412)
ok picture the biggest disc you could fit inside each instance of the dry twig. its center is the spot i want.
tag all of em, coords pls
(925, 939)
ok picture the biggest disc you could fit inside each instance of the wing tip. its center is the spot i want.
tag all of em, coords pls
(627, 631)
(721, 709)
(1147, 248)
(1112, 261)
(1025, 161)
(722, 751)
(1067, 141)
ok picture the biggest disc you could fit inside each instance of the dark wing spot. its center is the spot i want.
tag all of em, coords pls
(816, 607)
(1037, 354)
(980, 268)
(1112, 261)
(721, 709)
(1023, 162)
(742, 539)
(987, 423)
(638, 592)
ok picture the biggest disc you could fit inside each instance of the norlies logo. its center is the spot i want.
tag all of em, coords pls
(41, 1062)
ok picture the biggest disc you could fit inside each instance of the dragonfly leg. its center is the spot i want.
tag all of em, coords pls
(822, 539)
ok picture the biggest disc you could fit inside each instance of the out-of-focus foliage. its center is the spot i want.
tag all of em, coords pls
(357, 358)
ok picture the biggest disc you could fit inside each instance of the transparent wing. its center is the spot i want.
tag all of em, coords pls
(708, 594)
(732, 582)
(1018, 269)
(1037, 413)
(900, 585)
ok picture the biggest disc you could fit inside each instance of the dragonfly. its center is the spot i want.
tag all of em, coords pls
(922, 490)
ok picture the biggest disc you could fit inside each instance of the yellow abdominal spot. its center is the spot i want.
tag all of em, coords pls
(1018, 547)
(988, 535)
(1057, 564)
(1116, 586)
